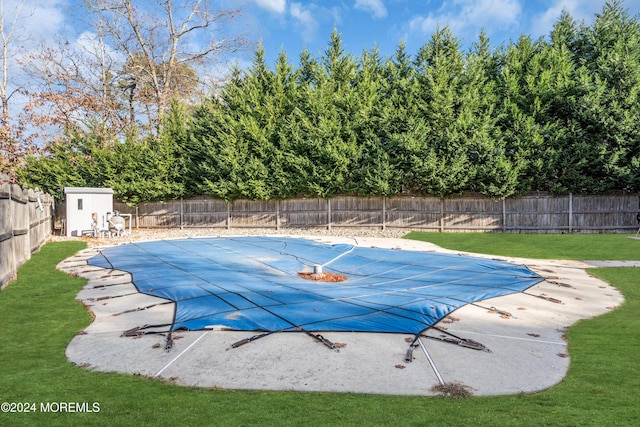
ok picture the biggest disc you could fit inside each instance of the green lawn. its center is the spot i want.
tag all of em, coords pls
(548, 246)
(40, 316)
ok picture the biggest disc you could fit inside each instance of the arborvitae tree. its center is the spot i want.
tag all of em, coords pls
(308, 72)
(402, 128)
(174, 146)
(197, 168)
(324, 132)
(286, 166)
(308, 78)
(441, 164)
(610, 109)
(54, 171)
(524, 136)
(555, 92)
(81, 158)
(254, 125)
(373, 173)
(214, 158)
(142, 171)
(136, 170)
(236, 136)
(567, 32)
(497, 173)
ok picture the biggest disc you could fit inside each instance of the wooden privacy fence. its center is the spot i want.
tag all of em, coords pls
(533, 213)
(25, 225)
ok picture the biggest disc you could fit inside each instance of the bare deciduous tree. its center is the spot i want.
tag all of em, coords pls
(167, 39)
(134, 58)
(76, 85)
(13, 142)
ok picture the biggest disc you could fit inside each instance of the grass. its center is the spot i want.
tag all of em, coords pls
(40, 316)
(545, 246)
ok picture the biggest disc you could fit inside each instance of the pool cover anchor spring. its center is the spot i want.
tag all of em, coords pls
(139, 331)
(462, 342)
(248, 340)
(447, 337)
(331, 345)
(134, 332)
(324, 341)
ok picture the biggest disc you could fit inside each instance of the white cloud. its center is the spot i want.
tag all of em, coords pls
(542, 23)
(304, 18)
(425, 24)
(37, 20)
(376, 7)
(27, 24)
(466, 17)
(278, 6)
(492, 12)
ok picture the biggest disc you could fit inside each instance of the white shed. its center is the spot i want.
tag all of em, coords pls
(86, 205)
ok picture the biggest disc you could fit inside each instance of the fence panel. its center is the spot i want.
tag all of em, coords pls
(159, 214)
(604, 214)
(254, 213)
(347, 211)
(25, 225)
(20, 216)
(40, 219)
(203, 212)
(473, 213)
(540, 213)
(304, 213)
(413, 212)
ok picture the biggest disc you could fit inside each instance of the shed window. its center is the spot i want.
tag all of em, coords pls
(79, 204)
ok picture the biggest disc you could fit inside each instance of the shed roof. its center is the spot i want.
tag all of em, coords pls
(87, 190)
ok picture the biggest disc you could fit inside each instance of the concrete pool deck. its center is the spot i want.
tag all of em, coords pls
(524, 333)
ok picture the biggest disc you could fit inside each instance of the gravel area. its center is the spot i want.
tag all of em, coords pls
(144, 234)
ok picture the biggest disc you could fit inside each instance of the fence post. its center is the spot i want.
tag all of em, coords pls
(442, 214)
(384, 212)
(31, 198)
(228, 216)
(277, 214)
(504, 215)
(181, 213)
(570, 213)
(7, 260)
(328, 214)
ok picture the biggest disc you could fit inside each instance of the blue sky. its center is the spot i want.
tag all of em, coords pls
(293, 25)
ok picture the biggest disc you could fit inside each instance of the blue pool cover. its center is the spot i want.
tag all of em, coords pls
(252, 283)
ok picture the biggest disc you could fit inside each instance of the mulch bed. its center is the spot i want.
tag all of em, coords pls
(323, 277)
